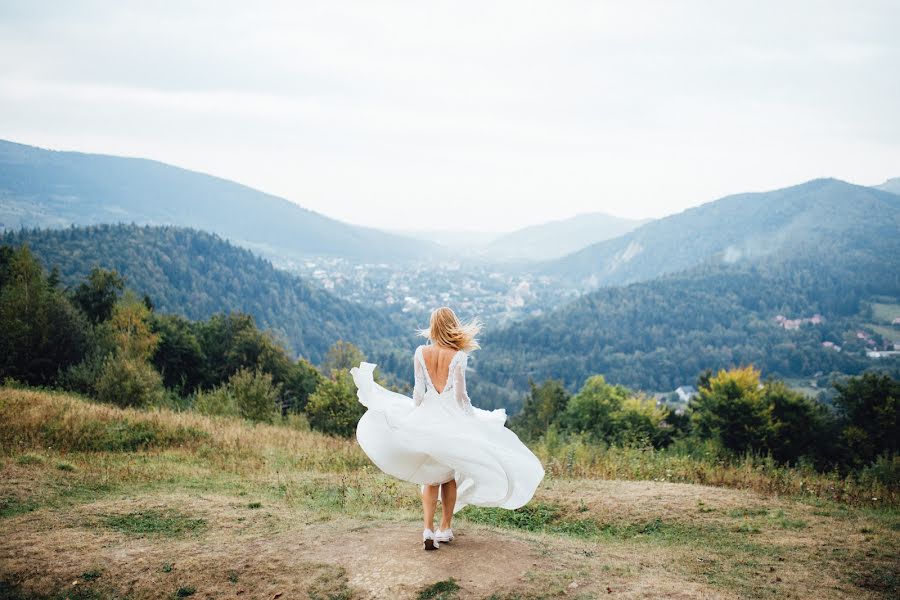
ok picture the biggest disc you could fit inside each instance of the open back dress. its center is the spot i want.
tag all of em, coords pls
(436, 436)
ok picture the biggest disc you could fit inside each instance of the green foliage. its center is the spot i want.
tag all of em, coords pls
(179, 358)
(869, 417)
(592, 409)
(658, 335)
(599, 412)
(334, 407)
(197, 275)
(126, 381)
(126, 378)
(733, 410)
(745, 415)
(41, 332)
(341, 356)
(98, 294)
(256, 395)
(542, 406)
(249, 394)
(446, 589)
(613, 414)
(217, 402)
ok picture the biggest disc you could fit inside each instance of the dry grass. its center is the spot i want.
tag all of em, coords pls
(231, 510)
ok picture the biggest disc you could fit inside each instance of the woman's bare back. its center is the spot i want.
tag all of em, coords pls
(437, 361)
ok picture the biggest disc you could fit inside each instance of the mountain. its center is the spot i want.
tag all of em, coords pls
(658, 335)
(559, 238)
(753, 224)
(44, 188)
(891, 185)
(834, 252)
(197, 274)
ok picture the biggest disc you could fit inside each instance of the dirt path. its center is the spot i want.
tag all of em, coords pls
(239, 550)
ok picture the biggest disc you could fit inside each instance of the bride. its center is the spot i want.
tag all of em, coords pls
(457, 452)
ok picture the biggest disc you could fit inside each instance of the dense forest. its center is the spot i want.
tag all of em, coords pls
(100, 339)
(197, 274)
(658, 335)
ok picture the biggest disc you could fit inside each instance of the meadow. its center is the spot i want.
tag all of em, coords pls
(102, 502)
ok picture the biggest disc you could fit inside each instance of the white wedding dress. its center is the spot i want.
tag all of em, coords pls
(434, 437)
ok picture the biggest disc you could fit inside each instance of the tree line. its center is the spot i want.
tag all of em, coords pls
(735, 413)
(101, 339)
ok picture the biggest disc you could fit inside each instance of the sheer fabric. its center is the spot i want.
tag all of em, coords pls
(433, 437)
(456, 380)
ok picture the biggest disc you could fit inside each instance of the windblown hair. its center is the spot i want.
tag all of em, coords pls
(446, 330)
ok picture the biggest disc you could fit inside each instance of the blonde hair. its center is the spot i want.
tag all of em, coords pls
(446, 330)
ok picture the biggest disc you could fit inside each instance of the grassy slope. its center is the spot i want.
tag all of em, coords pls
(97, 502)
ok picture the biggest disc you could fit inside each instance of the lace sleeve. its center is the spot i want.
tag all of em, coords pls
(418, 369)
(459, 385)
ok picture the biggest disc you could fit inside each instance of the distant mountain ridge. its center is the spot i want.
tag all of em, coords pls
(752, 224)
(46, 188)
(891, 185)
(556, 239)
(197, 274)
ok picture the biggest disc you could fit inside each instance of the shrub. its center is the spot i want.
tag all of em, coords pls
(334, 408)
(256, 396)
(125, 381)
(248, 394)
(218, 401)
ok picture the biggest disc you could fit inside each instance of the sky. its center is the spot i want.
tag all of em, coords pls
(482, 116)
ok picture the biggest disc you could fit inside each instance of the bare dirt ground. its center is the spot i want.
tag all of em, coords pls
(273, 551)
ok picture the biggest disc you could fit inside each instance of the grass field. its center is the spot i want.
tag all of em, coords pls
(98, 502)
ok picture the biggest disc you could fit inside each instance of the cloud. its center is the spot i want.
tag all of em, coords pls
(500, 114)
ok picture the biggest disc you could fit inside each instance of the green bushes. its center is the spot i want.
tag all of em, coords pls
(128, 382)
(248, 394)
(735, 415)
(334, 408)
(604, 413)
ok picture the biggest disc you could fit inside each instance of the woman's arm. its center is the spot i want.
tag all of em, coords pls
(459, 385)
(419, 374)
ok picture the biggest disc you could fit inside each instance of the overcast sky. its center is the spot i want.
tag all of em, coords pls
(467, 115)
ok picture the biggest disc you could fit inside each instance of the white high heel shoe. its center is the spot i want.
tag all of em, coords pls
(428, 540)
(445, 535)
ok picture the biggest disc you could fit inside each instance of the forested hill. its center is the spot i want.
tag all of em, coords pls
(816, 213)
(44, 188)
(197, 274)
(661, 334)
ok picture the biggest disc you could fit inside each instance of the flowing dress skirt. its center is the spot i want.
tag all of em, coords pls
(436, 442)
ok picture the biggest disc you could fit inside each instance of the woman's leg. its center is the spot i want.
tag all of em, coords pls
(448, 502)
(429, 501)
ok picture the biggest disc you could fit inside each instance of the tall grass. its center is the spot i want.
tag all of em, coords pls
(67, 423)
(706, 465)
(31, 419)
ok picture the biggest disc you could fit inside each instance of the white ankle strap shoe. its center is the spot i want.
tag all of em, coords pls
(445, 535)
(428, 541)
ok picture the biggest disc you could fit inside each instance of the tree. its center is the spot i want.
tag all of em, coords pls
(128, 381)
(341, 356)
(798, 425)
(127, 378)
(869, 413)
(301, 382)
(178, 356)
(41, 332)
(542, 406)
(592, 409)
(257, 397)
(732, 409)
(334, 407)
(97, 296)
